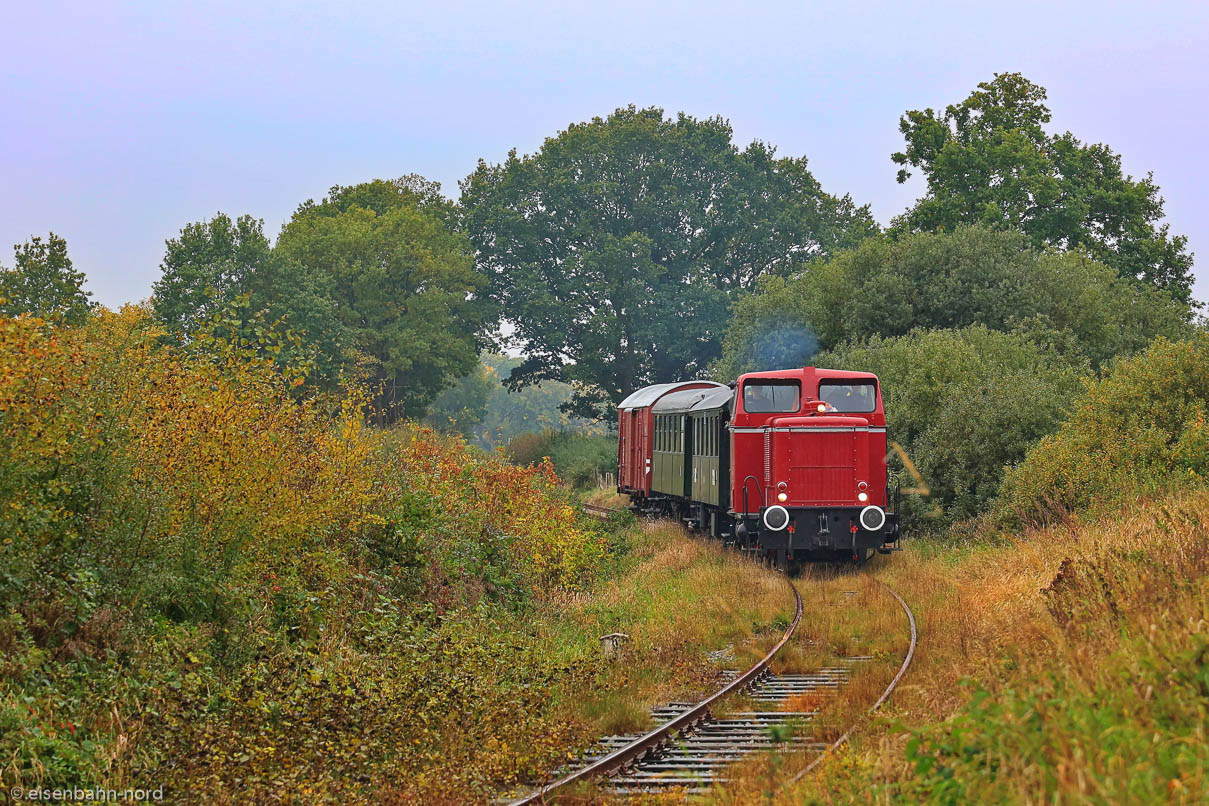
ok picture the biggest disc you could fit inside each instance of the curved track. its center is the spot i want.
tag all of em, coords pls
(600, 512)
(651, 742)
(902, 670)
(696, 719)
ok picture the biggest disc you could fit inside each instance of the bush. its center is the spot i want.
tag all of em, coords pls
(207, 582)
(1142, 426)
(971, 276)
(579, 459)
(965, 403)
(1102, 697)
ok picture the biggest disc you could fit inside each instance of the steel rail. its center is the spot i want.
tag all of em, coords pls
(902, 670)
(639, 748)
(600, 512)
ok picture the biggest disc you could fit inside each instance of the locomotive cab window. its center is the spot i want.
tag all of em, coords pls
(771, 398)
(849, 397)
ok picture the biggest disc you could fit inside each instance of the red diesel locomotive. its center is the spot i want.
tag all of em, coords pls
(791, 462)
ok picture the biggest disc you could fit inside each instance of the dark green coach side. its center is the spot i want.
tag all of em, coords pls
(710, 460)
(674, 444)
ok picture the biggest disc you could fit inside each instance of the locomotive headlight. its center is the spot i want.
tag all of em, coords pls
(873, 518)
(822, 407)
(776, 518)
(782, 497)
(862, 497)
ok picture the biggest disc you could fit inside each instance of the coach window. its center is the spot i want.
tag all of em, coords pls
(849, 397)
(770, 398)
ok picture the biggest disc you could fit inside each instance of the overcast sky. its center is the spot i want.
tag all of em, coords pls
(120, 123)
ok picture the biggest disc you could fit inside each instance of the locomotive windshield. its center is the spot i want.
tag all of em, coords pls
(858, 397)
(778, 398)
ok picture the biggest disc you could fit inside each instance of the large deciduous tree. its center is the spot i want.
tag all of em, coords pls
(989, 160)
(617, 249)
(43, 283)
(207, 266)
(402, 284)
(223, 277)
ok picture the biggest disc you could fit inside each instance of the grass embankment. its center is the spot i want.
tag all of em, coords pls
(1067, 666)
(212, 585)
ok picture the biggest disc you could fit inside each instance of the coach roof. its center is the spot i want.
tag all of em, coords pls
(714, 399)
(684, 400)
(649, 394)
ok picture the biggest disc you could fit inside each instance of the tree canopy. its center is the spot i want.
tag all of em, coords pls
(482, 408)
(617, 249)
(42, 282)
(223, 278)
(972, 275)
(402, 285)
(989, 160)
(205, 267)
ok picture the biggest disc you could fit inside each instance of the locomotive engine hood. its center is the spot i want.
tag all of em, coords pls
(819, 460)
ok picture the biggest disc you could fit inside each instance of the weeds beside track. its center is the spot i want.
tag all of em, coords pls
(691, 746)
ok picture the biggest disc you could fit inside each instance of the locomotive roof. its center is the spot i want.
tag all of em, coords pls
(649, 394)
(818, 372)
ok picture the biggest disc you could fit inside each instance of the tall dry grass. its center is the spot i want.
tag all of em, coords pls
(1066, 666)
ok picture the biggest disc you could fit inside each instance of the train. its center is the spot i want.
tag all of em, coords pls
(788, 464)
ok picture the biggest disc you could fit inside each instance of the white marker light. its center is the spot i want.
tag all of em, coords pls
(782, 497)
(862, 497)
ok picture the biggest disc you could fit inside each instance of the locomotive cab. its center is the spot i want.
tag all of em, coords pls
(809, 464)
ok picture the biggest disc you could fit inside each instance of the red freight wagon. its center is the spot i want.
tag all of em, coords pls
(635, 429)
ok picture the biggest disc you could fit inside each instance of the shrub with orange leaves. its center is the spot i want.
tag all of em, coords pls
(204, 577)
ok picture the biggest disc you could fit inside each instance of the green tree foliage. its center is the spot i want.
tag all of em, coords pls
(382, 196)
(484, 409)
(207, 267)
(222, 278)
(462, 407)
(989, 160)
(965, 403)
(43, 282)
(617, 249)
(580, 459)
(1140, 427)
(402, 283)
(972, 275)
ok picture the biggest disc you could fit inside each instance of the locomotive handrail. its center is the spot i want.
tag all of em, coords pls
(763, 503)
(640, 747)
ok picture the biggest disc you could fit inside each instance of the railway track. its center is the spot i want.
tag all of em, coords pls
(600, 512)
(902, 670)
(692, 748)
(647, 747)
